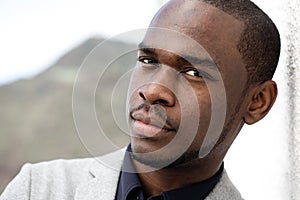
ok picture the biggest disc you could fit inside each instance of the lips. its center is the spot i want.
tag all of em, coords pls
(149, 127)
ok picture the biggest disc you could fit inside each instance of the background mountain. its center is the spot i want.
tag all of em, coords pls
(36, 116)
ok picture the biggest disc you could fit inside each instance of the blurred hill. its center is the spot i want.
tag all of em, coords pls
(36, 116)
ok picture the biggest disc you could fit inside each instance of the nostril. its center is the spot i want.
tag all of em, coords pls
(142, 95)
(162, 102)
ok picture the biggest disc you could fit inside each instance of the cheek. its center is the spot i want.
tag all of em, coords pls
(204, 100)
(201, 114)
(135, 81)
(234, 95)
(212, 103)
(195, 110)
(212, 106)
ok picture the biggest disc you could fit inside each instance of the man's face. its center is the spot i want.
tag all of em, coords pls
(178, 86)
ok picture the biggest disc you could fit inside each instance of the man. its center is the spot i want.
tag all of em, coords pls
(204, 69)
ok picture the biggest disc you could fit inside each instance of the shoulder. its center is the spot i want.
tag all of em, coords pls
(62, 168)
(74, 169)
(224, 190)
(58, 179)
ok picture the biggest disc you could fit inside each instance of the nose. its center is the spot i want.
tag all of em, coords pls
(157, 94)
(159, 91)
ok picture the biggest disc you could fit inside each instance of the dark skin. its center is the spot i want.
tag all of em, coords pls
(163, 84)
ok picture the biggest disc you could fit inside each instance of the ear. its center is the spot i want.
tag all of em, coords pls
(262, 99)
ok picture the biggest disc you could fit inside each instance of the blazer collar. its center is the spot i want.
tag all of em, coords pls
(105, 172)
(224, 190)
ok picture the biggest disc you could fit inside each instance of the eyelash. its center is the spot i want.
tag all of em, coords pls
(149, 61)
(143, 59)
(195, 71)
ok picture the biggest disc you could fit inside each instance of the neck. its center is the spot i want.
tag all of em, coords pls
(158, 181)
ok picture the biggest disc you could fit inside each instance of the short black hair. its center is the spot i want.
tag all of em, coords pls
(260, 40)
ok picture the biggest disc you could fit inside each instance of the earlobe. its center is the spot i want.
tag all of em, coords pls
(262, 99)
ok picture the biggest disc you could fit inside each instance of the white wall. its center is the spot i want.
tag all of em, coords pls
(264, 161)
(293, 39)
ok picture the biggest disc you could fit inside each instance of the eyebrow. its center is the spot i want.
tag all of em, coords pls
(183, 59)
(198, 61)
(146, 49)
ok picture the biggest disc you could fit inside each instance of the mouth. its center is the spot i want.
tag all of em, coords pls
(147, 127)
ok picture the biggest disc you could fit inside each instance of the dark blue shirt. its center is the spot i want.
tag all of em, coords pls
(130, 187)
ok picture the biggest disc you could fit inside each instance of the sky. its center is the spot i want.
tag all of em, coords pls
(35, 33)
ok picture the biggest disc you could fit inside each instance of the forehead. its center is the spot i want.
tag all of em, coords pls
(200, 30)
(198, 19)
(212, 28)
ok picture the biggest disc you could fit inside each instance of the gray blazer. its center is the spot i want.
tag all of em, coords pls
(84, 179)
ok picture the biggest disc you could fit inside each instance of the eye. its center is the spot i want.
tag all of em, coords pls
(194, 72)
(146, 60)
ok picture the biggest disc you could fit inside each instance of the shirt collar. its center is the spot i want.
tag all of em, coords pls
(129, 184)
(195, 191)
(129, 181)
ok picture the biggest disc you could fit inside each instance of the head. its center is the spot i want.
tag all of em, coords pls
(196, 85)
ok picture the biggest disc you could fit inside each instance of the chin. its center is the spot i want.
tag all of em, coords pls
(163, 161)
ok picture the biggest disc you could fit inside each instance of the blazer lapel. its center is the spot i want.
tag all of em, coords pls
(105, 172)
